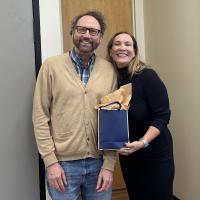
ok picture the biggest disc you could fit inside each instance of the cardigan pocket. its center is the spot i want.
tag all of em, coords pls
(60, 137)
(62, 141)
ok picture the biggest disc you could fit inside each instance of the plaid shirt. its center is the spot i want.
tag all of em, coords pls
(83, 72)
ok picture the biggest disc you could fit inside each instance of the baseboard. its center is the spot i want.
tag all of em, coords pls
(175, 198)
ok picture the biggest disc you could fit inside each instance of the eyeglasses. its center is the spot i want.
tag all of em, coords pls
(83, 30)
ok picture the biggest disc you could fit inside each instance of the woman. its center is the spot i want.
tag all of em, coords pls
(147, 160)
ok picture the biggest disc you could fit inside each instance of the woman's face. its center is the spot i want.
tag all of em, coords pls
(122, 51)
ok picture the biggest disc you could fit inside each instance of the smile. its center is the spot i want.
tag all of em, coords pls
(121, 54)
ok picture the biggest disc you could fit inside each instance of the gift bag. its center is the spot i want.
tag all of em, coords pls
(113, 129)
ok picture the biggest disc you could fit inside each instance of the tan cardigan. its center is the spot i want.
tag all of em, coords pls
(64, 117)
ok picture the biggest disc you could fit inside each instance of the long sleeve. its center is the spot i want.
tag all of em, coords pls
(157, 99)
(109, 158)
(41, 116)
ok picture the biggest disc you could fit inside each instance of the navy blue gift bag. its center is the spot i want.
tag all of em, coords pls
(113, 129)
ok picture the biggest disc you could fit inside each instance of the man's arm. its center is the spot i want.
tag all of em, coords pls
(41, 116)
(105, 178)
(41, 122)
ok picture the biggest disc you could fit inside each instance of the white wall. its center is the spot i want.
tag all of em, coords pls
(51, 28)
(172, 41)
(51, 32)
(139, 27)
(19, 179)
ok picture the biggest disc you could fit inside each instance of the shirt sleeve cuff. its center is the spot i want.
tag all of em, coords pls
(50, 159)
(109, 161)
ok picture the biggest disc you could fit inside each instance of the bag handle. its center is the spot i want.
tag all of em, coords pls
(114, 102)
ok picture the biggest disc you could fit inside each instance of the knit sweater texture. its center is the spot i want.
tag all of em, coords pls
(64, 117)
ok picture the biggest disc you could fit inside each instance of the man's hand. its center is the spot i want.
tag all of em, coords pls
(56, 177)
(105, 180)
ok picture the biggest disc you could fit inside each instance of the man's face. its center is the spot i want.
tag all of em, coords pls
(86, 36)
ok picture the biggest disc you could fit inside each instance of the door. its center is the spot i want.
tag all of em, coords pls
(117, 13)
(118, 16)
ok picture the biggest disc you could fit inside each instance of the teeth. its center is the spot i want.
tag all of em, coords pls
(85, 42)
(122, 54)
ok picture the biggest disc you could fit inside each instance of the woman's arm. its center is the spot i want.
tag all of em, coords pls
(157, 100)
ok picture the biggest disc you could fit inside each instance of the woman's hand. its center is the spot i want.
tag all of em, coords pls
(131, 147)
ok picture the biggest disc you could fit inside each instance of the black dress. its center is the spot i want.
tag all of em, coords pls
(149, 172)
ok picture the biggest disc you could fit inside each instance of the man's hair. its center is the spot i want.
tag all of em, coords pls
(94, 13)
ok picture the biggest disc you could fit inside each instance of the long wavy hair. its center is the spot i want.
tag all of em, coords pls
(136, 65)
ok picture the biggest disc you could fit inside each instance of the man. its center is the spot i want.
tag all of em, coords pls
(65, 120)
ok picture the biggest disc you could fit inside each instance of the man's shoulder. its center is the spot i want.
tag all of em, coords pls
(104, 64)
(103, 60)
(57, 58)
(56, 62)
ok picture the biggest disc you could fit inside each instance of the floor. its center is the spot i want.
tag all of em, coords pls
(120, 195)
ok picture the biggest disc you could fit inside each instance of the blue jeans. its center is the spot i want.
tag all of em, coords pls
(81, 178)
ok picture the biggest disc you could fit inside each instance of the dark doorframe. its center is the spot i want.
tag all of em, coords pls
(38, 62)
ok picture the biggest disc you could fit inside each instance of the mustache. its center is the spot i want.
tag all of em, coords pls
(86, 40)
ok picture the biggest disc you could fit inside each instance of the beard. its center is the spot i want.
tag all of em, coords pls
(85, 45)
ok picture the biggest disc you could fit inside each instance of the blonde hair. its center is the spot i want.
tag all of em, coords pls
(136, 65)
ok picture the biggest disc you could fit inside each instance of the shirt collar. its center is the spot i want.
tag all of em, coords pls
(77, 59)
